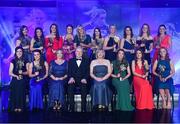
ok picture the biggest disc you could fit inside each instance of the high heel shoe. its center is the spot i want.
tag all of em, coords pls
(58, 106)
(55, 105)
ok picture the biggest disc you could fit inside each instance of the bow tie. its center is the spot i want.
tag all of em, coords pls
(79, 59)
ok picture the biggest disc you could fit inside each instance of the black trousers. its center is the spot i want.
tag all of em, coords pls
(83, 92)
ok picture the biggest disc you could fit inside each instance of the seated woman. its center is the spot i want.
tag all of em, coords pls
(100, 71)
(38, 71)
(163, 69)
(142, 87)
(18, 71)
(58, 75)
(121, 73)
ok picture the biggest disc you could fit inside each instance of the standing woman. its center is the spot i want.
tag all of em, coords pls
(111, 44)
(121, 73)
(142, 87)
(38, 71)
(128, 44)
(163, 69)
(18, 71)
(145, 42)
(97, 41)
(58, 75)
(100, 71)
(161, 40)
(24, 41)
(53, 42)
(68, 44)
(84, 40)
(37, 43)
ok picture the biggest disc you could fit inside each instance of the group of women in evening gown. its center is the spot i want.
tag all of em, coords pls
(124, 63)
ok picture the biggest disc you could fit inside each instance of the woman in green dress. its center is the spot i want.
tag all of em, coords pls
(121, 73)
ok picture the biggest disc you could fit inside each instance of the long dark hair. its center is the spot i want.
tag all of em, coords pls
(162, 25)
(41, 58)
(57, 31)
(167, 54)
(16, 49)
(36, 37)
(69, 25)
(94, 35)
(125, 35)
(21, 30)
(148, 32)
(142, 59)
(124, 58)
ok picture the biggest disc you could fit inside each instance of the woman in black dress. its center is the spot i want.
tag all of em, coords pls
(18, 71)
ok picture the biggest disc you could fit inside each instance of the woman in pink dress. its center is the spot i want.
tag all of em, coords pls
(53, 42)
(68, 44)
(161, 40)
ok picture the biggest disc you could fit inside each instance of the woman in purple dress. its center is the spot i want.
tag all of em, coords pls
(68, 45)
(38, 71)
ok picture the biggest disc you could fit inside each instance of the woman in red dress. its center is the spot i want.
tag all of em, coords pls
(53, 42)
(142, 87)
(161, 40)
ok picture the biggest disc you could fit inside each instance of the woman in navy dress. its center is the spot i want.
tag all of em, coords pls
(38, 71)
(100, 71)
(58, 75)
(111, 44)
(145, 42)
(128, 44)
(163, 69)
(18, 71)
(37, 43)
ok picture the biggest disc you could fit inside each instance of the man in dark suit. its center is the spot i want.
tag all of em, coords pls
(78, 73)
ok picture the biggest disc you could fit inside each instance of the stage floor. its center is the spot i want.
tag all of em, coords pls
(145, 116)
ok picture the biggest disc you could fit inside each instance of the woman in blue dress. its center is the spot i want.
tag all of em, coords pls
(163, 69)
(58, 75)
(100, 71)
(38, 71)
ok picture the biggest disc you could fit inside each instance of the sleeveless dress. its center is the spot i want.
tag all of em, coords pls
(143, 91)
(146, 47)
(24, 42)
(36, 95)
(122, 87)
(38, 44)
(56, 44)
(128, 55)
(17, 87)
(100, 92)
(56, 88)
(68, 46)
(164, 43)
(110, 54)
(164, 68)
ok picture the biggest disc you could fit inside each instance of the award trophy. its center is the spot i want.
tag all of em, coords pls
(121, 68)
(20, 71)
(37, 70)
(161, 69)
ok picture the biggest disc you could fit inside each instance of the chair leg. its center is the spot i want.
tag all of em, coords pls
(172, 101)
(158, 101)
